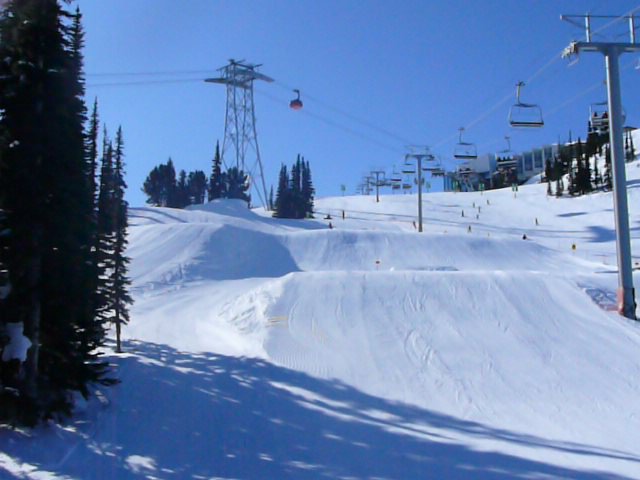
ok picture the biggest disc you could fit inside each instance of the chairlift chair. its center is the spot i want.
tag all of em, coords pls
(507, 151)
(408, 169)
(465, 150)
(599, 116)
(396, 176)
(296, 103)
(433, 167)
(525, 115)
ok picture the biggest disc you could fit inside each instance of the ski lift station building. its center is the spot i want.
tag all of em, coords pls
(527, 165)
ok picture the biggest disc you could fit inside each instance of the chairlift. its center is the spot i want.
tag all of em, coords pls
(408, 169)
(406, 186)
(507, 151)
(465, 150)
(296, 103)
(525, 115)
(396, 177)
(437, 172)
(599, 116)
(432, 166)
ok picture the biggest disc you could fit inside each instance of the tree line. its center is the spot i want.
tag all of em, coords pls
(63, 232)
(578, 162)
(164, 189)
(294, 197)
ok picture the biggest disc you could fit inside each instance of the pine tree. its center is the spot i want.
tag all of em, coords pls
(105, 238)
(307, 190)
(216, 180)
(169, 194)
(271, 204)
(295, 187)
(197, 187)
(160, 186)
(119, 279)
(282, 194)
(597, 178)
(181, 191)
(237, 184)
(558, 174)
(45, 185)
(608, 179)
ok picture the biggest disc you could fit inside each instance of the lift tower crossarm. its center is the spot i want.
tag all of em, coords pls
(612, 52)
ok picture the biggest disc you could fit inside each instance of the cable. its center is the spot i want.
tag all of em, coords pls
(143, 83)
(149, 74)
(364, 122)
(333, 124)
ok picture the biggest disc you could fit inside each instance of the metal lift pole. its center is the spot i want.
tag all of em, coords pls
(377, 173)
(612, 52)
(626, 294)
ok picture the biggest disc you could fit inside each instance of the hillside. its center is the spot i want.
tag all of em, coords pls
(266, 348)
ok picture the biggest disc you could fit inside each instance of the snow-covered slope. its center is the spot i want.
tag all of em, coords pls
(484, 347)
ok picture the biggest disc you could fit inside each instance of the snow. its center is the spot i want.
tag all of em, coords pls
(266, 348)
(16, 348)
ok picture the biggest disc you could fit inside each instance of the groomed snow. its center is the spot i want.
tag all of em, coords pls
(264, 348)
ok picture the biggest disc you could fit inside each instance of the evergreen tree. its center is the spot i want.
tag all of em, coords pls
(608, 179)
(48, 206)
(237, 184)
(597, 178)
(119, 279)
(92, 151)
(152, 187)
(105, 241)
(295, 187)
(216, 180)
(197, 187)
(181, 199)
(271, 204)
(161, 187)
(632, 148)
(558, 175)
(282, 195)
(294, 197)
(307, 190)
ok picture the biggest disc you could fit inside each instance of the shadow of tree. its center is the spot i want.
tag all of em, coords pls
(197, 416)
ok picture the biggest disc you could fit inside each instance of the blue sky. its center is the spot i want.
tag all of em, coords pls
(374, 76)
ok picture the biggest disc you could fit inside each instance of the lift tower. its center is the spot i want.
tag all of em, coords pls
(612, 51)
(240, 145)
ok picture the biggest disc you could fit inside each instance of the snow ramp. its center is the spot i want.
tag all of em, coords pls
(516, 350)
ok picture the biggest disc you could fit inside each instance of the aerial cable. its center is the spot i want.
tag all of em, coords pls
(589, 89)
(362, 121)
(334, 124)
(151, 74)
(556, 56)
(134, 83)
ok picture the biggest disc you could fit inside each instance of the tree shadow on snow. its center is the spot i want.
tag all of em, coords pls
(197, 416)
(601, 234)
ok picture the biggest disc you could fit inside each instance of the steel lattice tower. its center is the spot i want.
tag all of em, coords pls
(240, 134)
